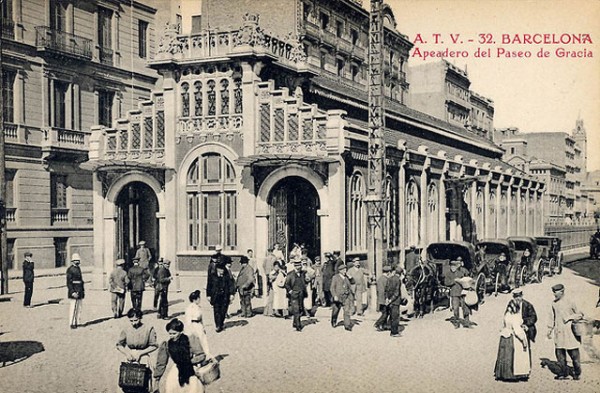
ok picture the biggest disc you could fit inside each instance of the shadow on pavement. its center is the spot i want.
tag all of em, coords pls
(588, 268)
(96, 321)
(310, 321)
(16, 351)
(258, 310)
(221, 357)
(51, 301)
(231, 324)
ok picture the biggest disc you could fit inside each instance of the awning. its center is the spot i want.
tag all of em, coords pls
(282, 159)
(109, 165)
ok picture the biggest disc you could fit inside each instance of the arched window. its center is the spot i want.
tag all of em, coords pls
(413, 213)
(433, 216)
(198, 98)
(211, 203)
(185, 99)
(513, 230)
(479, 214)
(224, 96)
(502, 216)
(491, 225)
(358, 215)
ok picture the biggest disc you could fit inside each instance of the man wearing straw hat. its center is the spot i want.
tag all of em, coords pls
(117, 283)
(75, 290)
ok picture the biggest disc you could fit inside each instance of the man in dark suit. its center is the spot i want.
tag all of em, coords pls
(328, 271)
(137, 279)
(75, 290)
(28, 277)
(393, 298)
(163, 279)
(295, 287)
(383, 307)
(220, 292)
(529, 315)
(245, 284)
(218, 258)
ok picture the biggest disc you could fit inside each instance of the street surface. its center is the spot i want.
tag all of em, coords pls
(39, 353)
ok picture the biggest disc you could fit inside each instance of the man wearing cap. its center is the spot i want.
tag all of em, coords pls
(159, 264)
(220, 292)
(341, 291)
(137, 277)
(381, 303)
(528, 314)
(163, 279)
(564, 313)
(75, 290)
(143, 254)
(393, 299)
(244, 284)
(358, 274)
(117, 286)
(28, 277)
(295, 286)
(457, 301)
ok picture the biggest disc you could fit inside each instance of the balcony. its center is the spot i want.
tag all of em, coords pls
(61, 144)
(8, 29)
(105, 56)
(59, 42)
(11, 214)
(11, 132)
(59, 215)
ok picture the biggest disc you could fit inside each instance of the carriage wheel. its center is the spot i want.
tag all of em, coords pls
(480, 286)
(523, 275)
(540, 271)
(553, 266)
(497, 284)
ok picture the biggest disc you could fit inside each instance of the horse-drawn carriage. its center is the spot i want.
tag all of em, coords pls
(426, 280)
(549, 251)
(499, 256)
(531, 265)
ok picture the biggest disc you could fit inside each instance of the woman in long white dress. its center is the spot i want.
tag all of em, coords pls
(513, 361)
(194, 327)
(280, 302)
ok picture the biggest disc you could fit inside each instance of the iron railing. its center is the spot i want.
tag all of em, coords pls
(8, 28)
(50, 39)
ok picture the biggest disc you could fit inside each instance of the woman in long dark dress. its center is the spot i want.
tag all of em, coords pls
(513, 363)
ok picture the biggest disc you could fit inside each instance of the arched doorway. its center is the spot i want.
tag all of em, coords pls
(293, 217)
(137, 206)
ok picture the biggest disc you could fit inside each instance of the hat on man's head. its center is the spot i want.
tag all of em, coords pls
(120, 262)
(517, 293)
(219, 248)
(327, 254)
(387, 269)
(413, 247)
(244, 259)
(399, 269)
(75, 257)
(142, 243)
(455, 262)
(297, 262)
(166, 262)
(136, 258)
(341, 267)
(28, 254)
(355, 260)
(349, 264)
(459, 259)
(557, 287)
(337, 252)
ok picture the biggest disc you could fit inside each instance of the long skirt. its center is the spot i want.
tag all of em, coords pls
(169, 382)
(505, 361)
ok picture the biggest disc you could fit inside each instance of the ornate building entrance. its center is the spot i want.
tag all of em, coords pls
(136, 206)
(293, 215)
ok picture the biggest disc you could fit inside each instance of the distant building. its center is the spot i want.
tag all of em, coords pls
(442, 90)
(67, 65)
(561, 160)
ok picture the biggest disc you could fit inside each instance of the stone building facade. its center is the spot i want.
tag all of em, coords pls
(67, 65)
(259, 136)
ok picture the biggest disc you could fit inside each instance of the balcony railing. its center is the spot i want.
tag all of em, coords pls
(8, 28)
(11, 131)
(59, 215)
(64, 138)
(105, 56)
(11, 214)
(47, 39)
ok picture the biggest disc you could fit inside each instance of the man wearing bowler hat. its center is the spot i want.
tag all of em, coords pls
(382, 280)
(341, 291)
(75, 290)
(564, 313)
(457, 300)
(137, 276)
(117, 285)
(295, 286)
(28, 277)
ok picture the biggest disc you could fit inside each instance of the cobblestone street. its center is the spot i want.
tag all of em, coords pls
(263, 354)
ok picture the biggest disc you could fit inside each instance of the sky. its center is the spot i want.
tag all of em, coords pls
(534, 94)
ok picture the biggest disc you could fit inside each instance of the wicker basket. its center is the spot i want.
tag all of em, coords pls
(134, 376)
(209, 372)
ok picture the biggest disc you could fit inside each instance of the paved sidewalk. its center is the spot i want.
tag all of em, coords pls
(262, 354)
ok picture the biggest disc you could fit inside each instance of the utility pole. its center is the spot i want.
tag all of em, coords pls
(375, 200)
(3, 237)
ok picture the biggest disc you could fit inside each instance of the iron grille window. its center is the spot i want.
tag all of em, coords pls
(143, 39)
(60, 251)
(58, 191)
(105, 103)
(8, 81)
(211, 203)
